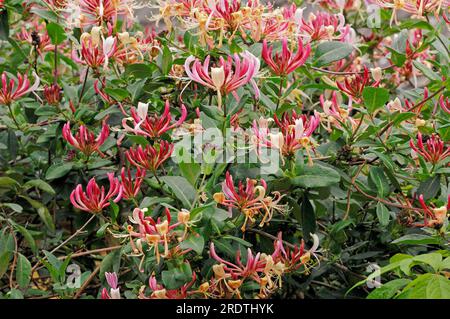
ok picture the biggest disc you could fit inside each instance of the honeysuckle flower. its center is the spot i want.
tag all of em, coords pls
(433, 151)
(13, 90)
(296, 131)
(84, 140)
(97, 12)
(418, 8)
(95, 199)
(52, 94)
(251, 200)
(285, 62)
(445, 104)
(322, 26)
(111, 279)
(336, 115)
(131, 186)
(153, 232)
(151, 157)
(154, 125)
(354, 85)
(434, 217)
(159, 292)
(94, 54)
(227, 76)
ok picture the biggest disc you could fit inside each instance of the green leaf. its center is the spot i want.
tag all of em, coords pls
(42, 211)
(433, 76)
(432, 259)
(438, 287)
(117, 94)
(8, 182)
(177, 277)
(166, 63)
(315, 176)
(113, 210)
(331, 51)
(196, 243)
(58, 170)
(238, 240)
(5, 257)
(28, 237)
(379, 179)
(38, 183)
(383, 214)
(429, 188)
(191, 171)
(15, 207)
(139, 70)
(181, 188)
(140, 140)
(416, 239)
(44, 13)
(56, 33)
(374, 98)
(23, 271)
(389, 289)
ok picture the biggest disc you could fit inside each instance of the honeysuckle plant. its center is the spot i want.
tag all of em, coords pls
(224, 149)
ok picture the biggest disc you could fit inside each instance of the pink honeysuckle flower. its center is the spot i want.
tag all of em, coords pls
(159, 292)
(154, 125)
(285, 62)
(434, 150)
(52, 94)
(296, 257)
(96, 53)
(227, 76)
(445, 104)
(12, 91)
(150, 157)
(84, 140)
(153, 232)
(131, 186)
(251, 200)
(353, 86)
(322, 26)
(418, 8)
(111, 279)
(94, 200)
(97, 12)
(434, 217)
(335, 113)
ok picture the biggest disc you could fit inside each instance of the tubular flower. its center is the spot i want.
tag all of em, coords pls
(153, 232)
(150, 157)
(111, 279)
(100, 91)
(251, 200)
(418, 8)
(445, 104)
(434, 151)
(152, 126)
(52, 94)
(96, 53)
(285, 62)
(335, 114)
(131, 186)
(11, 91)
(323, 26)
(296, 130)
(227, 76)
(84, 140)
(94, 200)
(266, 270)
(103, 11)
(159, 292)
(434, 217)
(353, 86)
